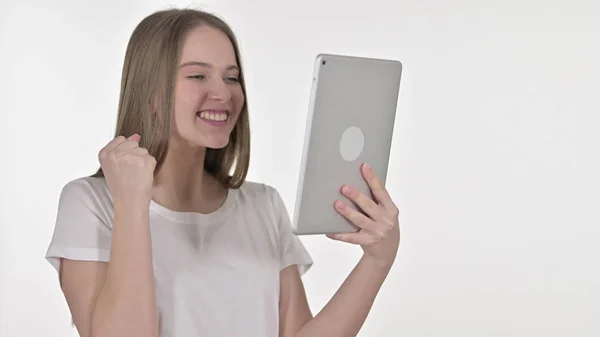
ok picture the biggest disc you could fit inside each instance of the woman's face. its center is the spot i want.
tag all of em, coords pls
(208, 94)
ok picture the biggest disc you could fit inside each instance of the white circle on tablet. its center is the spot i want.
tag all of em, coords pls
(352, 143)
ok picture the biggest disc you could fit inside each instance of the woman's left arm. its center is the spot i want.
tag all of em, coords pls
(346, 312)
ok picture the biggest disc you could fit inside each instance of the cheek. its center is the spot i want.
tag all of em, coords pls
(187, 99)
(237, 96)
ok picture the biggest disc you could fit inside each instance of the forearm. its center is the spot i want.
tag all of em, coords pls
(126, 305)
(346, 312)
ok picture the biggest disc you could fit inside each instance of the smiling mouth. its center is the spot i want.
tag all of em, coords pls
(213, 115)
(216, 118)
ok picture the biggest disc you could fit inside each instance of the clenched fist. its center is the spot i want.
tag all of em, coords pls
(128, 170)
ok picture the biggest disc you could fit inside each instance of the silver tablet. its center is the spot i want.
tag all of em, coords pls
(350, 121)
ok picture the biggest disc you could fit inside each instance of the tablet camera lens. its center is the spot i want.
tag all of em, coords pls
(323, 63)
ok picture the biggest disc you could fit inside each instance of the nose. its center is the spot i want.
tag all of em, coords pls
(219, 91)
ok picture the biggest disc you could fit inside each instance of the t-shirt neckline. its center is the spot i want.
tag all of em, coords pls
(194, 217)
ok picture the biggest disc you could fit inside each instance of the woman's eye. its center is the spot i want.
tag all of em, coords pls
(229, 79)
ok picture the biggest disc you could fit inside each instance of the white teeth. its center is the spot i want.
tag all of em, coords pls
(213, 116)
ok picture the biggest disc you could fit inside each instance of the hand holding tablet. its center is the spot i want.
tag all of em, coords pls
(351, 119)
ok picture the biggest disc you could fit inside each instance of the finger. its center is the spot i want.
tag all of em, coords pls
(355, 217)
(358, 238)
(365, 203)
(140, 151)
(129, 144)
(135, 137)
(114, 143)
(379, 191)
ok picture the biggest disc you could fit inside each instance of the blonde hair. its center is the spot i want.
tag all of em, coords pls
(147, 92)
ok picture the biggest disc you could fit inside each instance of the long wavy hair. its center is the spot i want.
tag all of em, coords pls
(147, 92)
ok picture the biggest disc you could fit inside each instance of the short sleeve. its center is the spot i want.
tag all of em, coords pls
(291, 249)
(82, 231)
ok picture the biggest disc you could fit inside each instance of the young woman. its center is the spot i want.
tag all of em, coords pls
(164, 241)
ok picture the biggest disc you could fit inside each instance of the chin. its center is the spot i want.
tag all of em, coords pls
(214, 143)
(217, 145)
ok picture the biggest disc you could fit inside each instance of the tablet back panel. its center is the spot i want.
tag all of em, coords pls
(351, 119)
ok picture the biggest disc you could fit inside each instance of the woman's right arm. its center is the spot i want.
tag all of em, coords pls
(117, 298)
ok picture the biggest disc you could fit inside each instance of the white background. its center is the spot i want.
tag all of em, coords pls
(495, 163)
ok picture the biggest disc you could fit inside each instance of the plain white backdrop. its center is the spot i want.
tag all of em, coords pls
(495, 160)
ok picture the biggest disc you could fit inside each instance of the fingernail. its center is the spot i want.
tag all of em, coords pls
(339, 205)
(346, 189)
(366, 167)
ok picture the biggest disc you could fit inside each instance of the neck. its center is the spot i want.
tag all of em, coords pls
(183, 185)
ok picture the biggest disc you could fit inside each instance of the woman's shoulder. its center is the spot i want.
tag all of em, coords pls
(253, 196)
(86, 185)
(89, 190)
(256, 187)
(258, 192)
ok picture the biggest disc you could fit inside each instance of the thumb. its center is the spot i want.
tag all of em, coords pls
(135, 137)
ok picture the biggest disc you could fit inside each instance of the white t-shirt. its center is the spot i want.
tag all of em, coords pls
(216, 275)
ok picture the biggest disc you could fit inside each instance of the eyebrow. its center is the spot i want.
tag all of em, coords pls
(205, 65)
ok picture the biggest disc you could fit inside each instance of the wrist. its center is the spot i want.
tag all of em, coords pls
(383, 265)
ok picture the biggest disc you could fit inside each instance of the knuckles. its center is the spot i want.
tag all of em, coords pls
(151, 161)
(395, 212)
(135, 159)
(138, 156)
